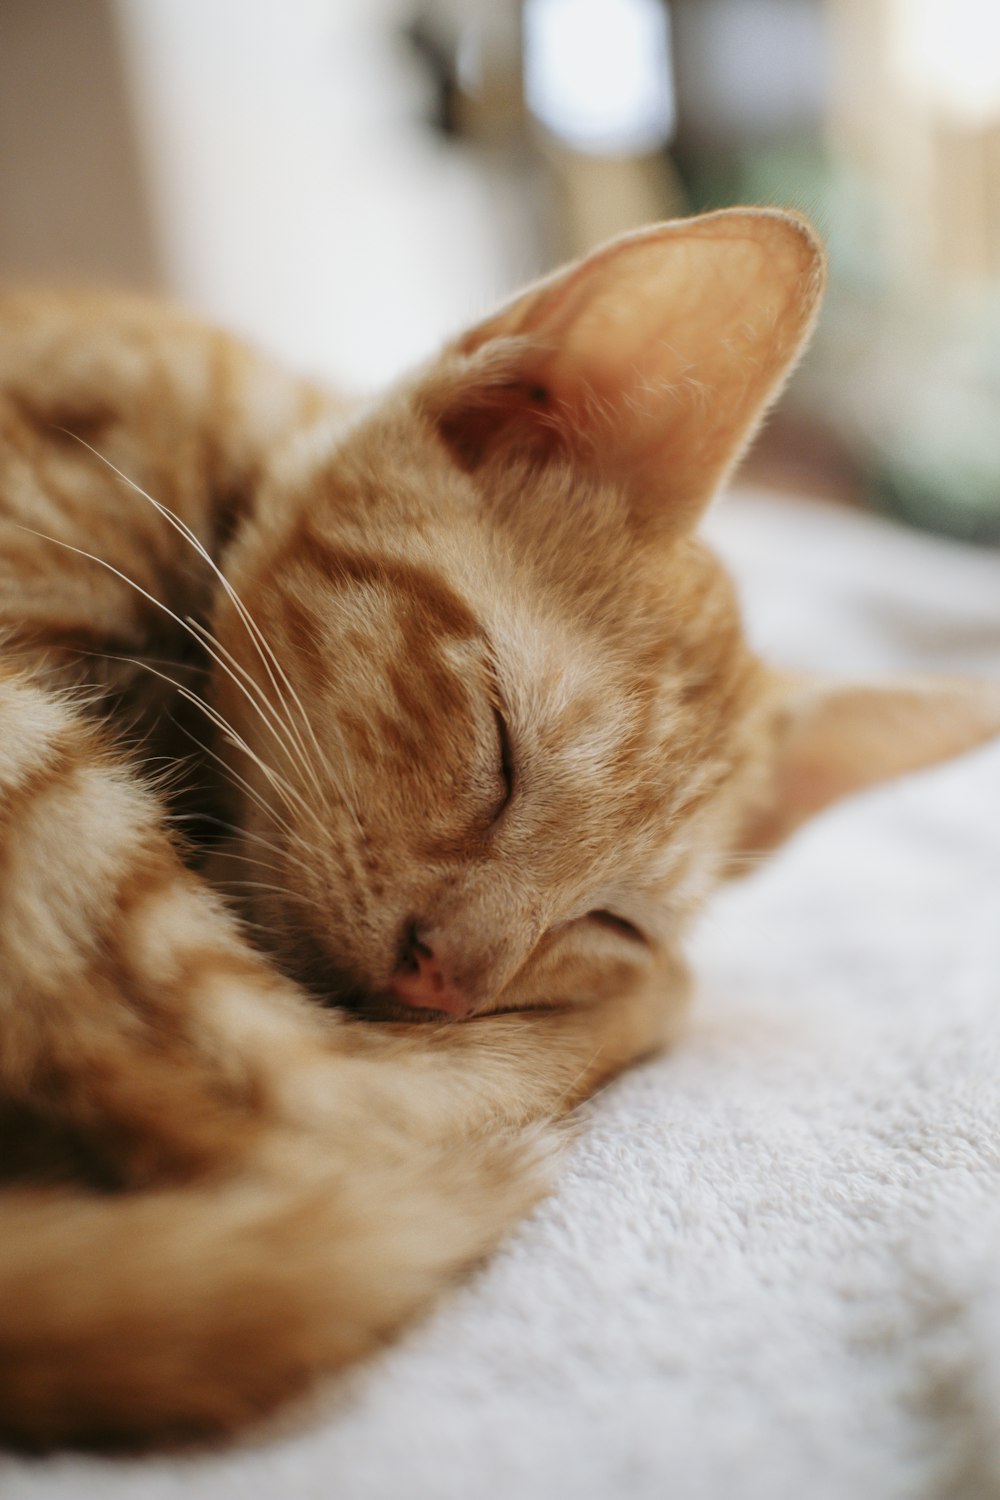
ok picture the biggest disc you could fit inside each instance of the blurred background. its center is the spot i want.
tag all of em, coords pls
(348, 181)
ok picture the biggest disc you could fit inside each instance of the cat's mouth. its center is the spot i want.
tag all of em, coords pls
(387, 1007)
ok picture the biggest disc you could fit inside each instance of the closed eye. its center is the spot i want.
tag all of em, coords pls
(618, 924)
(506, 758)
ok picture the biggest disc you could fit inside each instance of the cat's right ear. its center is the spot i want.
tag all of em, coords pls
(651, 362)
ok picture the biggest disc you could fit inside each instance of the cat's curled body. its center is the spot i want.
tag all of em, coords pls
(481, 724)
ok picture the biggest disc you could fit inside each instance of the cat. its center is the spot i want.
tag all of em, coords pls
(460, 720)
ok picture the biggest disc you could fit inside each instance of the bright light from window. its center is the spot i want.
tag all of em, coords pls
(948, 52)
(598, 73)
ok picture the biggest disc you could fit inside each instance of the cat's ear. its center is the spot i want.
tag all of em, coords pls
(651, 361)
(831, 739)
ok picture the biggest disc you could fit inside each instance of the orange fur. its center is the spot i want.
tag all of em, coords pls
(474, 711)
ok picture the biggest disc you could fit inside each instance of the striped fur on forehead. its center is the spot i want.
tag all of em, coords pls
(412, 601)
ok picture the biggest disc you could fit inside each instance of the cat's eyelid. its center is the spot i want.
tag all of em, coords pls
(505, 749)
(615, 923)
(507, 766)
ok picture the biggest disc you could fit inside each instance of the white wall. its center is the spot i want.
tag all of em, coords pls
(293, 198)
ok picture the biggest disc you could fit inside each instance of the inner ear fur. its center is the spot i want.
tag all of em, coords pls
(654, 359)
(829, 740)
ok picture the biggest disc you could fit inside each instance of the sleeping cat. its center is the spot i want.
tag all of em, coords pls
(459, 719)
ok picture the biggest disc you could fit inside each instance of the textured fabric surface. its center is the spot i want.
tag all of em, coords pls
(772, 1265)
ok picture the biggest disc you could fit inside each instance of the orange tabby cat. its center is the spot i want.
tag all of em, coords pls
(483, 731)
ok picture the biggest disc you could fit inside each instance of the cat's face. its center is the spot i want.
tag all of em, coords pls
(513, 729)
(532, 731)
(519, 718)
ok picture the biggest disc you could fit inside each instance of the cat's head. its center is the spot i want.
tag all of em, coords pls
(507, 731)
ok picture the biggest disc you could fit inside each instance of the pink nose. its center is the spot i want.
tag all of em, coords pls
(421, 983)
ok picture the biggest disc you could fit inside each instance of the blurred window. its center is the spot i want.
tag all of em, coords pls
(598, 73)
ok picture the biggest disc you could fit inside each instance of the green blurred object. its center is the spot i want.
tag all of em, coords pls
(936, 456)
(911, 386)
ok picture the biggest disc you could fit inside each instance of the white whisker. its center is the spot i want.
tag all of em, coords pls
(253, 630)
(101, 562)
(288, 794)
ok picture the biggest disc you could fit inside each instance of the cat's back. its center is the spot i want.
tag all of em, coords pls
(110, 402)
(152, 389)
(128, 432)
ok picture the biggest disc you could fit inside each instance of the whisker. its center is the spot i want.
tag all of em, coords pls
(281, 890)
(235, 779)
(233, 828)
(242, 891)
(292, 834)
(284, 854)
(342, 799)
(247, 859)
(212, 640)
(159, 604)
(288, 794)
(253, 630)
(347, 793)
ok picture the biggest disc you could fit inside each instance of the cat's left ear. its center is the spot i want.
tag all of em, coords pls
(652, 361)
(828, 740)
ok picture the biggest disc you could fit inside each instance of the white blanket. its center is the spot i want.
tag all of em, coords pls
(772, 1267)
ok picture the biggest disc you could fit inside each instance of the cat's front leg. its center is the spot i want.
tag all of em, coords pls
(496, 1071)
(559, 1054)
(230, 1254)
(131, 1010)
